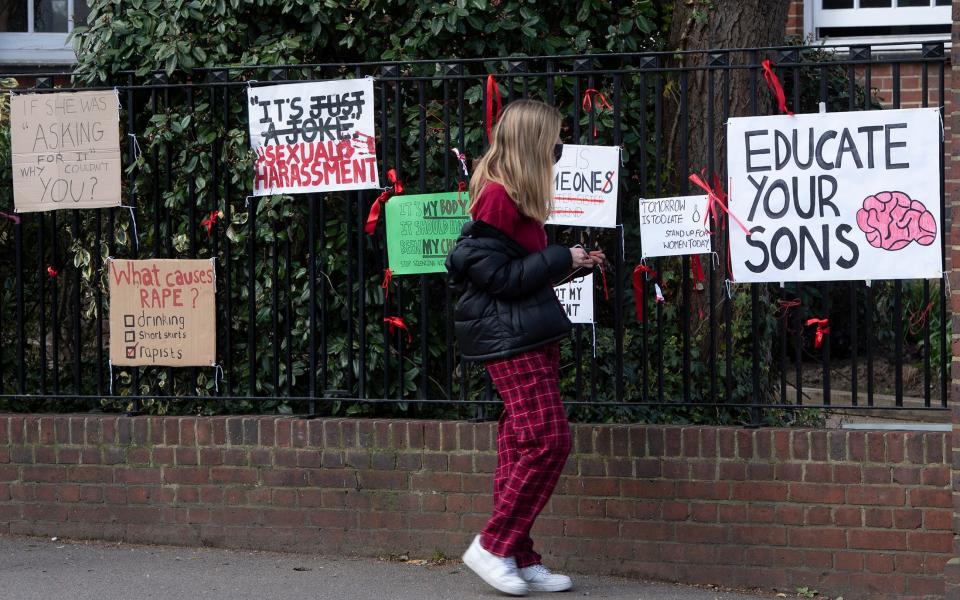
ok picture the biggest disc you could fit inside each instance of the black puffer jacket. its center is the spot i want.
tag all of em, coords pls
(507, 305)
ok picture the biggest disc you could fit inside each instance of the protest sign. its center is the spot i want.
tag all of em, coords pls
(840, 196)
(585, 182)
(673, 226)
(422, 229)
(576, 296)
(65, 150)
(313, 137)
(162, 312)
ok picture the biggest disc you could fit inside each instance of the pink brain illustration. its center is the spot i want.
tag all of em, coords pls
(891, 220)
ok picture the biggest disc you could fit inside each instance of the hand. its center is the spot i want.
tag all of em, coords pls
(598, 257)
(580, 258)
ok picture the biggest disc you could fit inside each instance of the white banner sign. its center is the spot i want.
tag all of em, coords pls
(673, 226)
(313, 137)
(585, 186)
(841, 196)
(576, 296)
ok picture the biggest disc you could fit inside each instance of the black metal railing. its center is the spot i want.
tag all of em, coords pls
(300, 307)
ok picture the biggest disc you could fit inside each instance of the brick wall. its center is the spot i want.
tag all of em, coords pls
(862, 514)
(795, 19)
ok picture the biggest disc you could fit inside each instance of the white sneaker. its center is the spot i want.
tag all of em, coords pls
(542, 580)
(499, 572)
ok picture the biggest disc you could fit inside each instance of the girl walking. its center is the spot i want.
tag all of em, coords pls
(509, 317)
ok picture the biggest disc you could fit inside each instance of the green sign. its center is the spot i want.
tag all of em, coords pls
(422, 229)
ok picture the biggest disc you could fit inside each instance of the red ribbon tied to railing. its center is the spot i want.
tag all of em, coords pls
(823, 328)
(52, 272)
(774, 83)
(493, 91)
(210, 221)
(395, 324)
(714, 199)
(696, 267)
(385, 284)
(14, 218)
(638, 288)
(374, 217)
(588, 100)
(461, 188)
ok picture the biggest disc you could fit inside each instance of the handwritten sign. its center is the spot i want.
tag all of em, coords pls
(836, 196)
(162, 312)
(673, 226)
(422, 229)
(576, 296)
(65, 150)
(313, 137)
(585, 182)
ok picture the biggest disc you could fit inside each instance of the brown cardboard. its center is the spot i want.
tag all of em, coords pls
(162, 312)
(66, 150)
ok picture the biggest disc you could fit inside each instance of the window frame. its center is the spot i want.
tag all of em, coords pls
(38, 48)
(816, 18)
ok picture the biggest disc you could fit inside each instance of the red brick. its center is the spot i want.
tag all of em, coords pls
(763, 492)
(800, 444)
(877, 540)
(848, 561)
(845, 516)
(817, 537)
(878, 517)
(818, 515)
(876, 495)
(591, 528)
(921, 541)
(933, 520)
(818, 493)
(930, 498)
(764, 535)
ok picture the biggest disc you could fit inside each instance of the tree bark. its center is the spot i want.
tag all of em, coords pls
(705, 25)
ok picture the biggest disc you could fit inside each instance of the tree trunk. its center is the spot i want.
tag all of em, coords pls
(715, 25)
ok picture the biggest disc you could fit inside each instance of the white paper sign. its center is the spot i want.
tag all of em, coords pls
(576, 296)
(836, 196)
(585, 182)
(313, 137)
(673, 226)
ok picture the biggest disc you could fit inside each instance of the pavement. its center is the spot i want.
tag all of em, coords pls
(44, 568)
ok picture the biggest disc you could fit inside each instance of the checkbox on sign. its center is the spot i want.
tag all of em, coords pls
(129, 336)
(128, 321)
(131, 351)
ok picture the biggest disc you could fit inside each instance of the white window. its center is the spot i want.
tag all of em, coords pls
(878, 20)
(34, 32)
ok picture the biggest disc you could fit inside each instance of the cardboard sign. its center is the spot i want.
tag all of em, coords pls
(313, 137)
(841, 196)
(422, 229)
(673, 226)
(576, 296)
(66, 150)
(585, 183)
(162, 312)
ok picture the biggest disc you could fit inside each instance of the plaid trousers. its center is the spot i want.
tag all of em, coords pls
(533, 442)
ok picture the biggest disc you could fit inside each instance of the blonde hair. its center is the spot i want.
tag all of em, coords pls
(520, 158)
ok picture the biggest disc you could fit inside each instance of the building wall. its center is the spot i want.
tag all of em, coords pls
(865, 515)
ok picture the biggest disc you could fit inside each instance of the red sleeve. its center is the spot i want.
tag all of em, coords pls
(496, 208)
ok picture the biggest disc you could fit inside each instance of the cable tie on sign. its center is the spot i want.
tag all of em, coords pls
(623, 250)
(716, 260)
(946, 283)
(137, 153)
(133, 222)
(217, 374)
(110, 368)
(462, 159)
(728, 284)
(116, 91)
(594, 326)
